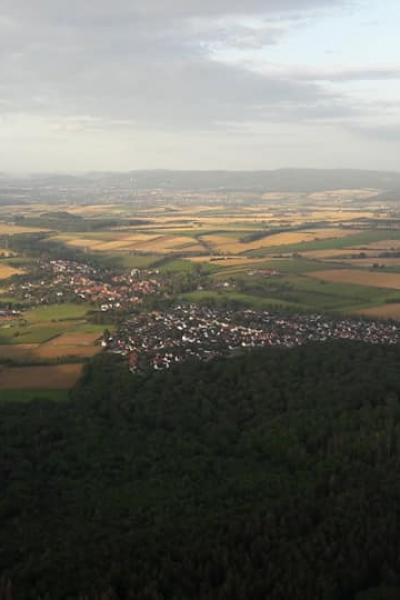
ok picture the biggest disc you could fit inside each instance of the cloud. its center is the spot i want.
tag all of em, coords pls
(333, 74)
(382, 133)
(134, 72)
(120, 10)
(153, 66)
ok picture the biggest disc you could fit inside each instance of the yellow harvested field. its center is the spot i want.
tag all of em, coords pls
(384, 246)
(125, 243)
(193, 248)
(138, 237)
(8, 229)
(83, 243)
(166, 244)
(40, 378)
(387, 311)
(6, 271)
(367, 278)
(114, 246)
(224, 244)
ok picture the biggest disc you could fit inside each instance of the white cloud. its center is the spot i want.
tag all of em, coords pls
(155, 75)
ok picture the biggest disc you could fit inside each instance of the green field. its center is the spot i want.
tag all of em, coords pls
(31, 333)
(56, 312)
(135, 261)
(251, 301)
(42, 323)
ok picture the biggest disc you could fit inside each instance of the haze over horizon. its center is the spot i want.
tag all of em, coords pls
(184, 84)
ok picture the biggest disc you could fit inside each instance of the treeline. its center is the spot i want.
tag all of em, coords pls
(269, 476)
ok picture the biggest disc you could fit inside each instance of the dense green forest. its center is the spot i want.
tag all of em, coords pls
(274, 475)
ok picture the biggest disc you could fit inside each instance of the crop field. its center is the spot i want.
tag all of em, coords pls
(337, 253)
(46, 335)
(16, 352)
(357, 277)
(7, 271)
(9, 229)
(225, 244)
(334, 250)
(56, 312)
(386, 262)
(383, 245)
(386, 311)
(57, 377)
(65, 346)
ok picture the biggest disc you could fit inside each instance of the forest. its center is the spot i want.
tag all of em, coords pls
(272, 475)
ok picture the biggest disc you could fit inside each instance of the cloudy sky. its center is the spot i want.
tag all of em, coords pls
(199, 84)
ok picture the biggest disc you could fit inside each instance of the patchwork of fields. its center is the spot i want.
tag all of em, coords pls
(336, 251)
(45, 349)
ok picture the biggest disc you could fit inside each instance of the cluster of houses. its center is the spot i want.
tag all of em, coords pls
(66, 280)
(160, 339)
(7, 314)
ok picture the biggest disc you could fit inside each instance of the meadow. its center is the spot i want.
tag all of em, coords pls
(46, 348)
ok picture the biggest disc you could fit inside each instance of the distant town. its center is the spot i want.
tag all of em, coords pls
(158, 340)
(62, 280)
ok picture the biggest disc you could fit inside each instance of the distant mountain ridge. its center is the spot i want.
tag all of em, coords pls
(281, 180)
(285, 180)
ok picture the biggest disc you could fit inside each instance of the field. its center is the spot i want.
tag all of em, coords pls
(335, 251)
(386, 311)
(46, 348)
(7, 271)
(57, 377)
(357, 277)
(10, 229)
(66, 345)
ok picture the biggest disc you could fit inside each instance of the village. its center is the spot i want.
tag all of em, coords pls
(67, 280)
(158, 340)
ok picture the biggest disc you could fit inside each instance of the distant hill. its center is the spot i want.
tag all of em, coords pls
(281, 180)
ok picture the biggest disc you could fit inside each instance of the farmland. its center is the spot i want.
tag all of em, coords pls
(45, 348)
(36, 378)
(7, 271)
(341, 234)
(358, 277)
(336, 251)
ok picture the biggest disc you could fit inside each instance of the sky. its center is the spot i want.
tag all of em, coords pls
(101, 85)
